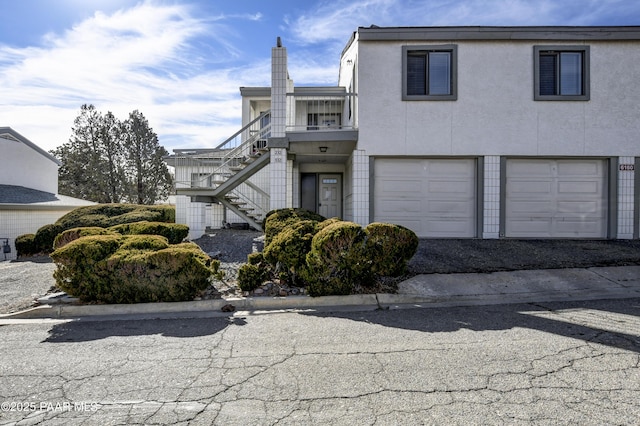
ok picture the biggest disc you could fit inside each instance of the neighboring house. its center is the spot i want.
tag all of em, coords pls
(454, 132)
(28, 189)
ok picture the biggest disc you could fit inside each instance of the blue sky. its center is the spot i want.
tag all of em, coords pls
(181, 62)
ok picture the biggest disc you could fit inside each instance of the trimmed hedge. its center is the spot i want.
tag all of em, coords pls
(103, 216)
(390, 247)
(278, 220)
(288, 249)
(26, 245)
(132, 269)
(73, 234)
(174, 232)
(45, 236)
(337, 262)
(106, 215)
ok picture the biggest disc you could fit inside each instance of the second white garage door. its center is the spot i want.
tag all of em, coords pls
(432, 197)
(556, 198)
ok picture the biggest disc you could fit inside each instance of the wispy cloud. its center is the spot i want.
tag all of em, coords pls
(140, 58)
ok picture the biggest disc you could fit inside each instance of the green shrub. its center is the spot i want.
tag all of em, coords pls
(45, 237)
(390, 247)
(337, 262)
(132, 269)
(255, 258)
(174, 232)
(25, 245)
(250, 277)
(143, 242)
(73, 234)
(277, 220)
(81, 265)
(106, 215)
(288, 250)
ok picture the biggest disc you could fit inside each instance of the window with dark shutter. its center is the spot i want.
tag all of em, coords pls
(561, 73)
(429, 73)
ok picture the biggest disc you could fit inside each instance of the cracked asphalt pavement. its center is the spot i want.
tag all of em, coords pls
(551, 363)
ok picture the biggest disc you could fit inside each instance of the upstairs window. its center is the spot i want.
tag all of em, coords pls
(561, 73)
(429, 73)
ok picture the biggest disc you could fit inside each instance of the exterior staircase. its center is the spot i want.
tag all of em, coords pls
(222, 174)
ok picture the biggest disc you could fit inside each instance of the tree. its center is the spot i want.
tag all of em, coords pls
(147, 174)
(109, 161)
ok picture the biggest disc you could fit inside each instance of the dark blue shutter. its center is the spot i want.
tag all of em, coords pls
(416, 75)
(547, 74)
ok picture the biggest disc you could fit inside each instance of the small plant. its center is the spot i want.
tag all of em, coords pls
(250, 277)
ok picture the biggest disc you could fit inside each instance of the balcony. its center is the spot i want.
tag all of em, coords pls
(315, 109)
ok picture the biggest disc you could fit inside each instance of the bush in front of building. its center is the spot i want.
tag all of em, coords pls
(390, 247)
(287, 251)
(251, 276)
(278, 220)
(103, 216)
(338, 262)
(175, 233)
(45, 236)
(65, 237)
(132, 269)
(26, 245)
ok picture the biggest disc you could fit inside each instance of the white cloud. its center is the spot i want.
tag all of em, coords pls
(139, 58)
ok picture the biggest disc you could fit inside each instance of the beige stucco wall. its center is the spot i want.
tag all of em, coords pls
(495, 113)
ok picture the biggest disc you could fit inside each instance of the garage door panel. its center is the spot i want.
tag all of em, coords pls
(450, 168)
(401, 186)
(529, 169)
(432, 197)
(452, 187)
(573, 205)
(528, 207)
(400, 206)
(579, 187)
(530, 187)
(392, 167)
(581, 208)
(448, 208)
(582, 168)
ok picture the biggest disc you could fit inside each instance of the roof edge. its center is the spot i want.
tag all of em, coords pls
(17, 136)
(605, 33)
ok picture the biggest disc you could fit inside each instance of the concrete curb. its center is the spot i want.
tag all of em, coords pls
(61, 310)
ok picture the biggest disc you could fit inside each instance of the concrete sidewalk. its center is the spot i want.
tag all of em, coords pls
(434, 290)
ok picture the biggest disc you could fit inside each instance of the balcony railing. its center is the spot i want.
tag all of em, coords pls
(321, 111)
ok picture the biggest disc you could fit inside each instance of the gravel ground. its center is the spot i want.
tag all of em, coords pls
(22, 281)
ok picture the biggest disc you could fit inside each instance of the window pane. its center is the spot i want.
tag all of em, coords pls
(439, 73)
(571, 73)
(547, 75)
(416, 78)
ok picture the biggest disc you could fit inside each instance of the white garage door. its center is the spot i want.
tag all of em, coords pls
(556, 199)
(432, 197)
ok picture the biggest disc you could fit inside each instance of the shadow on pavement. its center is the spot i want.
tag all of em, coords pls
(614, 323)
(83, 331)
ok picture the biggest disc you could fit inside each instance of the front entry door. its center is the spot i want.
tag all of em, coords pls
(330, 195)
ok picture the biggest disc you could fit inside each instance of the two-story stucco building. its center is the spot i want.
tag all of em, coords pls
(454, 132)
